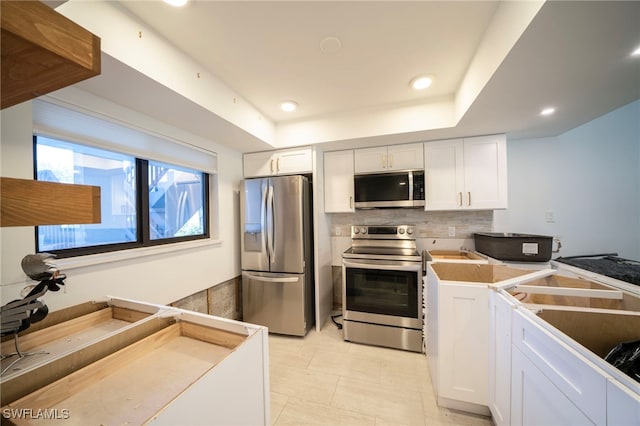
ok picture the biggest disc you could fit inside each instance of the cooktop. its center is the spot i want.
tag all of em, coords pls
(609, 265)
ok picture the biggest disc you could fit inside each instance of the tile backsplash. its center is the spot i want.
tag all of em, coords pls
(428, 224)
(434, 229)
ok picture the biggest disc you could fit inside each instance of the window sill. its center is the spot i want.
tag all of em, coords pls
(67, 264)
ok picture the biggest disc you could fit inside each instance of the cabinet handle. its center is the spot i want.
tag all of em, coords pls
(460, 197)
(391, 161)
(271, 165)
(278, 165)
(384, 161)
(351, 202)
(469, 193)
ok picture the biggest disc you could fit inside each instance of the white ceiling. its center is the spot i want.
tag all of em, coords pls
(573, 55)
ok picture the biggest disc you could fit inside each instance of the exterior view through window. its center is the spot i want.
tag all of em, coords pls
(175, 201)
(142, 202)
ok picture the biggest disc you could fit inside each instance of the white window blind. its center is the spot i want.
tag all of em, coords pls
(54, 120)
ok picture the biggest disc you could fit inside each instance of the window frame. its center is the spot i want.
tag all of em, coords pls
(142, 205)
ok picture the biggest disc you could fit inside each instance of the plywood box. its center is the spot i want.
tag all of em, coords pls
(139, 363)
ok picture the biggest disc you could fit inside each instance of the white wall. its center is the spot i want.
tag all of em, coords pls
(156, 276)
(589, 178)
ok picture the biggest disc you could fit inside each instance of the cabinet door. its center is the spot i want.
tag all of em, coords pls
(293, 161)
(443, 174)
(535, 399)
(405, 157)
(571, 374)
(500, 358)
(258, 164)
(463, 342)
(370, 159)
(623, 405)
(338, 181)
(485, 172)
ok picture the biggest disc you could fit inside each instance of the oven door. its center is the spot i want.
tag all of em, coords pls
(382, 292)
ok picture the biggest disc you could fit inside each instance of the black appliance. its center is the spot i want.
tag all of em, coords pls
(401, 189)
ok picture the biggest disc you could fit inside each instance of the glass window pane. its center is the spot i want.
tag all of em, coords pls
(114, 173)
(176, 201)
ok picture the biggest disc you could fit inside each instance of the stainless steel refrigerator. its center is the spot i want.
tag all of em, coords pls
(276, 244)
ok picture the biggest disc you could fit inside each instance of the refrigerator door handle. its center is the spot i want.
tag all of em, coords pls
(270, 225)
(272, 279)
(263, 218)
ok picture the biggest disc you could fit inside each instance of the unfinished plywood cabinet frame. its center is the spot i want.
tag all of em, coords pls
(25, 202)
(147, 363)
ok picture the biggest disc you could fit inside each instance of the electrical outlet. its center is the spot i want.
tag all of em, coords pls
(452, 231)
(549, 217)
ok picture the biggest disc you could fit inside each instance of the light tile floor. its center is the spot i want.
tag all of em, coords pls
(323, 380)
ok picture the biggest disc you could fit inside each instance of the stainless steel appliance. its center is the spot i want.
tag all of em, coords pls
(398, 189)
(382, 292)
(277, 268)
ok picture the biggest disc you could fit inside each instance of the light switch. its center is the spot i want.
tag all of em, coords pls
(549, 217)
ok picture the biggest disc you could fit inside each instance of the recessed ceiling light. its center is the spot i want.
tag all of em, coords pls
(288, 106)
(330, 44)
(548, 111)
(421, 82)
(176, 3)
(636, 52)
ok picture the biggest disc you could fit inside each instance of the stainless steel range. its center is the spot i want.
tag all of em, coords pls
(382, 293)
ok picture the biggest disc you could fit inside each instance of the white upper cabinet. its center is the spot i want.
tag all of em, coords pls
(405, 157)
(462, 174)
(283, 162)
(338, 182)
(389, 158)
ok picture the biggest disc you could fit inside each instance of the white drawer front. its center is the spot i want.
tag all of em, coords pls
(581, 381)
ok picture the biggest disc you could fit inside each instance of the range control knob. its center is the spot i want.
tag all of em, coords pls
(409, 231)
(363, 230)
(401, 231)
(356, 230)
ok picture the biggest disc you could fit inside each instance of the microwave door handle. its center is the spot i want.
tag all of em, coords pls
(410, 186)
(350, 264)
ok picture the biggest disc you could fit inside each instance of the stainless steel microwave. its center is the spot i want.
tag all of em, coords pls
(398, 189)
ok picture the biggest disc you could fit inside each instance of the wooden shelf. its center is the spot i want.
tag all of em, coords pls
(25, 202)
(42, 51)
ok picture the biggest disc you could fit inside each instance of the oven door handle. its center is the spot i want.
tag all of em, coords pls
(350, 264)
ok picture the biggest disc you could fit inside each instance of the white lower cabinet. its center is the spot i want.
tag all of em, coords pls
(535, 399)
(463, 336)
(529, 345)
(457, 343)
(623, 405)
(500, 358)
(570, 374)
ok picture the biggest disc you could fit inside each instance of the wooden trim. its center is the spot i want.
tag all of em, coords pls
(54, 393)
(129, 315)
(42, 51)
(567, 291)
(17, 387)
(58, 331)
(216, 336)
(26, 202)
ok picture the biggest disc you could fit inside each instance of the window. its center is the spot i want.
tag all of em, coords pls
(143, 202)
(175, 201)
